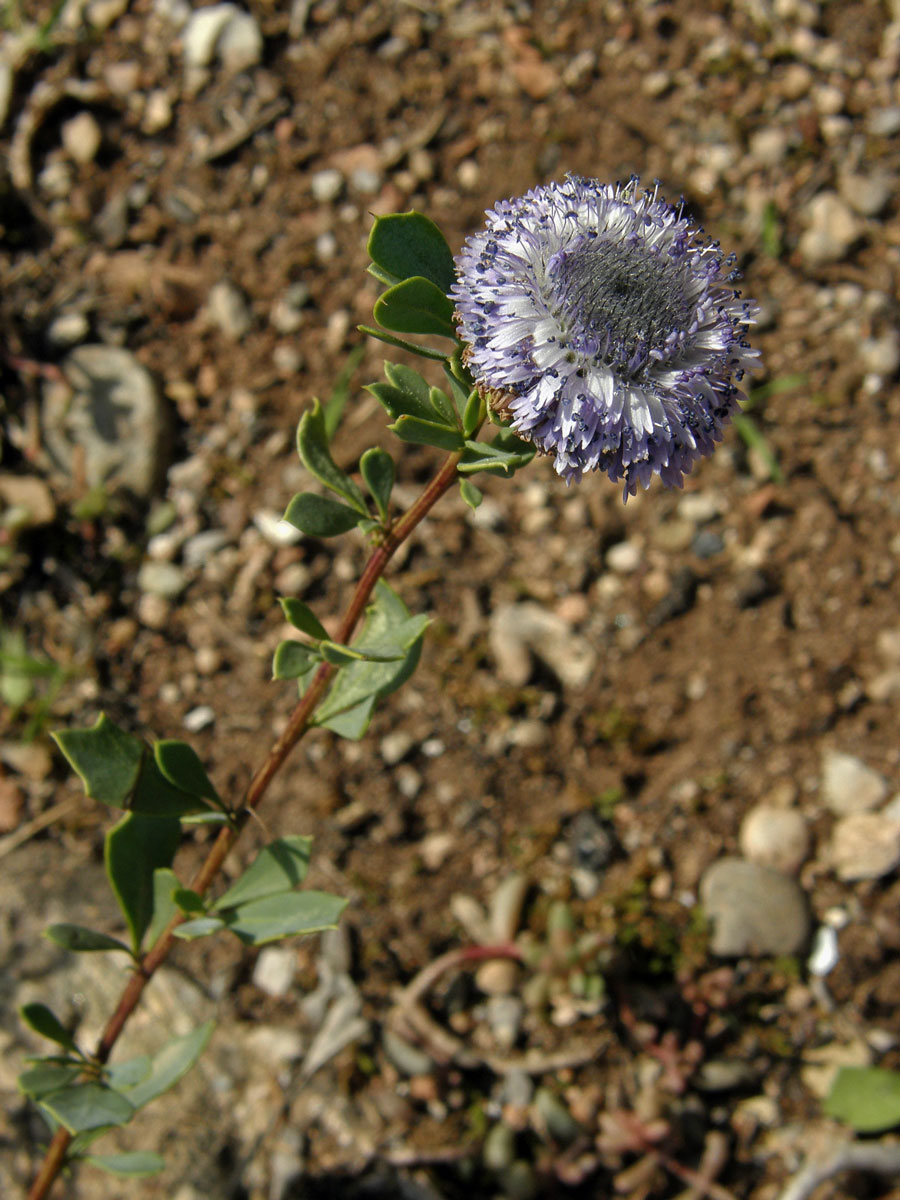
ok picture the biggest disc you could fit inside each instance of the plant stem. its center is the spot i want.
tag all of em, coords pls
(297, 725)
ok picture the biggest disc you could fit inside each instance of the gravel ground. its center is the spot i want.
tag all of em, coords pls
(677, 718)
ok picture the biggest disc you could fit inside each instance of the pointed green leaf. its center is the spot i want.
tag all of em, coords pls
(387, 624)
(278, 867)
(318, 516)
(470, 493)
(415, 306)
(407, 244)
(377, 469)
(865, 1098)
(83, 1106)
(312, 446)
(47, 1077)
(293, 659)
(285, 914)
(40, 1018)
(339, 656)
(165, 883)
(302, 617)
(154, 796)
(352, 723)
(200, 927)
(400, 403)
(413, 385)
(79, 939)
(504, 456)
(179, 764)
(390, 340)
(127, 1074)
(130, 1164)
(427, 433)
(444, 407)
(106, 759)
(169, 1064)
(135, 847)
(473, 413)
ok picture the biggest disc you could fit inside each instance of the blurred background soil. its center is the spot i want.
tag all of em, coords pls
(611, 698)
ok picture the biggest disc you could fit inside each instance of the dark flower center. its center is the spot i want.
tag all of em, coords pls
(626, 295)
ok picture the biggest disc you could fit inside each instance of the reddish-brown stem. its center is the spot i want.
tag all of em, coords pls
(297, 725)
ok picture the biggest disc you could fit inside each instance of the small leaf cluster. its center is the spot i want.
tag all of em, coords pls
(565, 964)
(160, 787)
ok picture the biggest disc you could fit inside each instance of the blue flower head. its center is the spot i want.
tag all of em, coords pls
(604, 323)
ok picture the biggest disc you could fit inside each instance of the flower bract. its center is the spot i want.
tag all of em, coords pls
(607, 326)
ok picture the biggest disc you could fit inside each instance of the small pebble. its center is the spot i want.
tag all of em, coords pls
(831, 230)
(865, 845)
(162, 579)
(199, 718)
(624, 557)
(68, 329)
(395, 746)
(81, 137)
(327, 185)
(775, 837)
(849, 786)
(274, 970)
(227, 310)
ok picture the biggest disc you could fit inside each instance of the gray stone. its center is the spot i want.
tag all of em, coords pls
(162, 579)
(274, 970)
(867, 195)
(107, 421)
(68, 328)
(754, 910)
(849, 786)
(885, 122)
(224, 32)
(517, 630)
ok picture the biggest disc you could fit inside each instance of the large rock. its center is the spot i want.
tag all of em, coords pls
(754, 910)
(107, 423)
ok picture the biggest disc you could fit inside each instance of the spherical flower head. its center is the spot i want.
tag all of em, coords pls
(607, 327)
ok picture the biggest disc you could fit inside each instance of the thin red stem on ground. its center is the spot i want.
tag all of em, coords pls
(297, 725)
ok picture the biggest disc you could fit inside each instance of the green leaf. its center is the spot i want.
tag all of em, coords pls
(179, 765)
(285, 914)
(443, 406)
(377, 469)
(312, 446)
(130, 1164)
(83, 1106)
(278, 867)
(408, 244)
(40, 1018)
(416, 306)
(319, 516)
(390, 340)
(344, 656)
(470, 493)
(165, 884)
(339, 656)
(127, 1074)
(106, 759)
(47, 1077)
(865, 1098)
(504, 456)
(169, 1064)
(293, 659)
(135, 847)
(154, 796)
(302, 617)
(427, 433)
(189, 931)
(79, 939)
(359, 685)
(399, 403)
(188, 901)
(473, 413)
